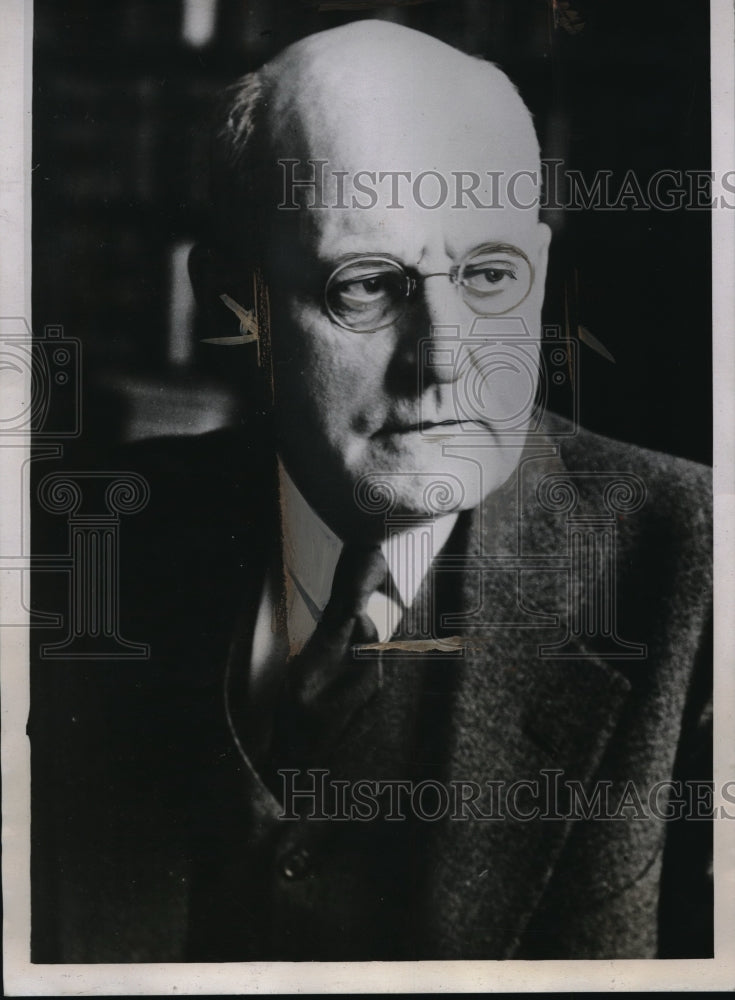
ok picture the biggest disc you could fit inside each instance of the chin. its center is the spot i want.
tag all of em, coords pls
(445, 484)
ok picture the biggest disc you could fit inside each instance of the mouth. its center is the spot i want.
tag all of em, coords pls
(449, 426)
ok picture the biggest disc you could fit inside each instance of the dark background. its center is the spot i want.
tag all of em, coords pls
(122, 92)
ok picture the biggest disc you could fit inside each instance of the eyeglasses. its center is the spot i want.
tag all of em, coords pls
(367, 293)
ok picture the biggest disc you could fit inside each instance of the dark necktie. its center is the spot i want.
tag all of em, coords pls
(326, 683)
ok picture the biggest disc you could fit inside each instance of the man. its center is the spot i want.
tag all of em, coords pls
(429, 671)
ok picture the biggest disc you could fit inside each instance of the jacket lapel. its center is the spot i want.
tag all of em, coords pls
(525, 722)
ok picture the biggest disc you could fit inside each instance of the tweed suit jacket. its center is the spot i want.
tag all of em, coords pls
(584, 670)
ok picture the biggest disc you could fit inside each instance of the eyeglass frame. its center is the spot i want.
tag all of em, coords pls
(414, 280)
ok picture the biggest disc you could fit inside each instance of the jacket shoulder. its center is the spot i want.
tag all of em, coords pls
(675, 490)
(663, 537)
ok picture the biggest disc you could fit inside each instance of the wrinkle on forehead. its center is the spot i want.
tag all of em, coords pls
(375, 96)
(413, 236)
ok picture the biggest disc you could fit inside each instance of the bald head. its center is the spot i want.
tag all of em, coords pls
(373, 90)
(373, 97)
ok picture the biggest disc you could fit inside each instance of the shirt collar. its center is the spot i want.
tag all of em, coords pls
(311, 549)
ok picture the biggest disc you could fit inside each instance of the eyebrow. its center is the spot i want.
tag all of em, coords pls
(499, 248)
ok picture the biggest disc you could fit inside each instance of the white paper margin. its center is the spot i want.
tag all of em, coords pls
(21, 978)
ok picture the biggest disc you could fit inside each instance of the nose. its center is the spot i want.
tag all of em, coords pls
(440, 303)
(438, 314)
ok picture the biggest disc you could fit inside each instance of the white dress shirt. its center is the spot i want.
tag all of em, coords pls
(310, 554)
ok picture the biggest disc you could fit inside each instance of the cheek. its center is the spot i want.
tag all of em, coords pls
(320, 369)
(518, 392)
(498, 384)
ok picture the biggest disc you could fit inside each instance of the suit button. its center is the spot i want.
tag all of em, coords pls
(296, 864)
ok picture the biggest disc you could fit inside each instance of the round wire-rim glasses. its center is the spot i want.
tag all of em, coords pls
(368, 292)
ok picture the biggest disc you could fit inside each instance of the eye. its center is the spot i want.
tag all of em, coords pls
(365, 290)
(364, 294)
(489, 276)
(495, 279)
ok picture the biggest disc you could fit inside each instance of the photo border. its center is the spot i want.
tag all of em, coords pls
(21, 977)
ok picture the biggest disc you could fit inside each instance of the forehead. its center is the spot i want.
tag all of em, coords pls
(410, 212)
(412, 234)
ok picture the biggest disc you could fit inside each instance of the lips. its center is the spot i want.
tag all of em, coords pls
(420, 426)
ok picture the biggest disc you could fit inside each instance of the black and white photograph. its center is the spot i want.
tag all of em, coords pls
(369, 393)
